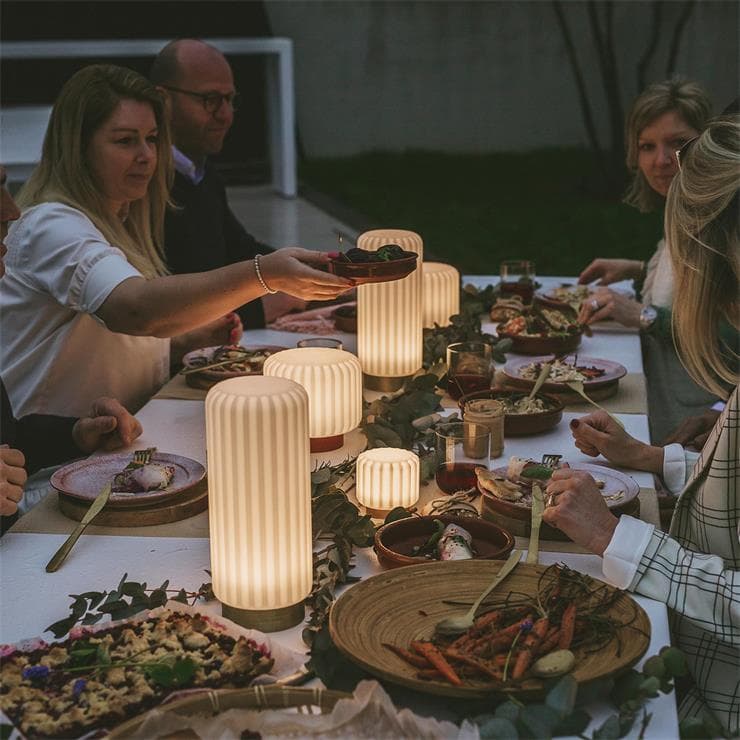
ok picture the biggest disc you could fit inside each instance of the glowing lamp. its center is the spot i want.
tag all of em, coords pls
(333, 380)
(389, 329)
(441, 300)
(259, 500)
(387, 477)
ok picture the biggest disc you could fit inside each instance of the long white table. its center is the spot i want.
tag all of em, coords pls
(99, 559)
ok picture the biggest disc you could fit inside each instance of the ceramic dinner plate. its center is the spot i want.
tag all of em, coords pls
(613, 371)
(84, 479)
(618, 489)
(405, 604)
(189, 361)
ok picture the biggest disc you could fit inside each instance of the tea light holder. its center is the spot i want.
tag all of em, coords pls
(259, 486)
(389, 326)
(441, 291)
(333, 381)
(387, 477)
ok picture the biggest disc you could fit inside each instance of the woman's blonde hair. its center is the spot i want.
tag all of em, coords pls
(85, 103)
(703, 233)
(688, 100)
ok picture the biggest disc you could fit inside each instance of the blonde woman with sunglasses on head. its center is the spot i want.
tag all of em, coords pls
(695, 568)
(88, 308)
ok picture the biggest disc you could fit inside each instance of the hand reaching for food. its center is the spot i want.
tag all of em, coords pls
(610, 304)
(224, 331)
(302, 273)
(12, 477)
(608, 271)
(109, 427)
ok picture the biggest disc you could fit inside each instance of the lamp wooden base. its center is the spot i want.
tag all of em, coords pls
(266, 620)
(384, 384)
(327, 444)
(378, 513)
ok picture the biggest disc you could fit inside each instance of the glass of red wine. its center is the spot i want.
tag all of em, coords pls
(469, 368)
(517, 278)
(461, 447)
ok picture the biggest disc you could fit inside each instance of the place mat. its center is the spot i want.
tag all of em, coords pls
(46, 518)
(630, 397)
(178, 389)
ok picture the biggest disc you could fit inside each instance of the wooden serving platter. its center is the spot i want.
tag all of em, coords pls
(188, 503)
(405, 604)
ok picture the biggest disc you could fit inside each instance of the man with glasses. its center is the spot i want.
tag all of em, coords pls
(203, 233)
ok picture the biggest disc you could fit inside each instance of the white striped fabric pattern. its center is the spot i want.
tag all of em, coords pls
(259, 492)
(333, 380)
(441, 293)
(389, 328)
(387, 477)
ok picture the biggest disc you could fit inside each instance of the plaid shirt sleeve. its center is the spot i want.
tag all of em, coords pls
(696, 585)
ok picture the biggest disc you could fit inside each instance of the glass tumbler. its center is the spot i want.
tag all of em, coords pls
(517, 278)
(326, 342)
(469, 368)
(461, 447)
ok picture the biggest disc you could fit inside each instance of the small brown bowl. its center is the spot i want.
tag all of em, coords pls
(541, 345)
(520, 425)
(395, 541)
(345, 318)
(375, 272)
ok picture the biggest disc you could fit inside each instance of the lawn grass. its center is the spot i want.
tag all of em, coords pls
(476, 210)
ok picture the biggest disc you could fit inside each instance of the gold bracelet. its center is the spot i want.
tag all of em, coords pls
(259, 274)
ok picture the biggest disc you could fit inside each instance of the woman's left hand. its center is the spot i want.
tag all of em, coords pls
(579, 510)
(604, 303)
(109, 427)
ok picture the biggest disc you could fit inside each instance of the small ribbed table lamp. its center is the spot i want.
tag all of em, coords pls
(387, 477)
(333, 380)
(389, 330)
(259, 484)
(441, 288)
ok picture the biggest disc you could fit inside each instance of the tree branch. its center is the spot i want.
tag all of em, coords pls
(644, 63)
(570, 49)
(688, 9)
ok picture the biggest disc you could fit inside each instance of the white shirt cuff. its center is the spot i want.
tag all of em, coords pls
(625, 550)
(674, 467)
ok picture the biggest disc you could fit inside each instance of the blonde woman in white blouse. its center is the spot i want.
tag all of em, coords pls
(695, 568)
(87, 307)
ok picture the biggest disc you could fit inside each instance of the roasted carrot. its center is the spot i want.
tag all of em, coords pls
(550, 642)
(567, 627)
(429, 674)
(435, 657)
(504, 637)
(415, 660)
(481, 665)
(487, 619)
(529, 644)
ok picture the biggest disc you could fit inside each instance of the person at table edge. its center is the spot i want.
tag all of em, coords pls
(695, 568)
(202, 232)
(38, 440)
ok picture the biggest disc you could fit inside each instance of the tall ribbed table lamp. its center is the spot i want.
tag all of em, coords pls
(441, 288)
(389, 328)
(259, 500)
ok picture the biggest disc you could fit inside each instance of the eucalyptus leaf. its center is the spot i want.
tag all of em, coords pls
(399, 512)
(498, 728)
(609, 730)
(508, 710)
(539, 720)
(574, 723)
(562, 697)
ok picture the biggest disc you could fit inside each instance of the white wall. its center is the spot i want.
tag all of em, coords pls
(475, 76)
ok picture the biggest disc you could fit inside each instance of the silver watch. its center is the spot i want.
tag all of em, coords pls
(648, 315)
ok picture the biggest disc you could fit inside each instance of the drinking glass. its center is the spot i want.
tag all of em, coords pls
(517, 278)
(327, 342)
(469, 368)
(461, 448)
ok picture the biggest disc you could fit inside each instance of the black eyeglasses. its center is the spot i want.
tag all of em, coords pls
(212, 102)
(682, 151)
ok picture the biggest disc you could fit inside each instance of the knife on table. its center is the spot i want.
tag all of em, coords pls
(61, 554)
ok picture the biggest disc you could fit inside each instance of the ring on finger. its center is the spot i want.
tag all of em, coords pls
(595, 304)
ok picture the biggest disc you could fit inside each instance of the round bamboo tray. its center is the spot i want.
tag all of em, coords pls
(256, 697)
(405, 604)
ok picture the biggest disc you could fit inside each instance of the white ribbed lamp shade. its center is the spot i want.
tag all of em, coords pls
(387, 477)
(389, 328)
(441, 289)
(333, 380)
(259, 500)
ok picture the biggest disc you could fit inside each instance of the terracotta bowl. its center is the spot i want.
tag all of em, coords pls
(541, 345)
(520, 425)
(394, 541)
(375, 272)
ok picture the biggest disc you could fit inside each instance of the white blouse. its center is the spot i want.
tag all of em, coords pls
(57, 356)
